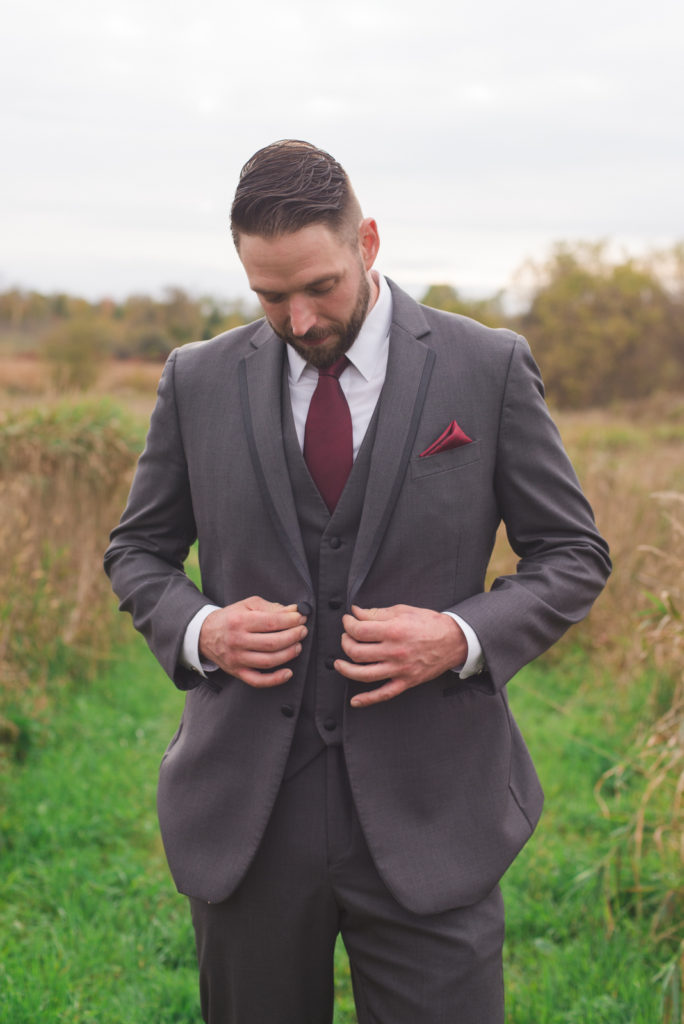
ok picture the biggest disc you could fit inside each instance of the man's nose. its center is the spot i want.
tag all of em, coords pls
(302, 315)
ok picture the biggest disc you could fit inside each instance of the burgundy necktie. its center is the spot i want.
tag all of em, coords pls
(328, 439)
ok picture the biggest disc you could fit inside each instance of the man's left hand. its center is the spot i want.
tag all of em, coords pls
(400, 647)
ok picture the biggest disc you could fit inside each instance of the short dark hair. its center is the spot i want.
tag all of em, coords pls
(288, 185)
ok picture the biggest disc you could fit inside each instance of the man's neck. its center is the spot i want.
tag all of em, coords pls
(375, 289)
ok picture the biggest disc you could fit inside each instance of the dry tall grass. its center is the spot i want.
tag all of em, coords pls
(26, 378)
(63, 474)
(632, 465)
(624, 459)
(644, 793)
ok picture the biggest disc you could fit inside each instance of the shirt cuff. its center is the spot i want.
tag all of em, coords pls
(474, 662)
(190, 655)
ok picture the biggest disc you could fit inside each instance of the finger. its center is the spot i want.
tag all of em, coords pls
(361, 653)
(272, 642)
(276, 609)
(270, 621)
(365, 631)
(260, 604)
(387, 692)
(263, 660)
(374, 613)
(377, 672)
(263, 680)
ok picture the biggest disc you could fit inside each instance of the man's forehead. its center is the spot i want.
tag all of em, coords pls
(302, 257)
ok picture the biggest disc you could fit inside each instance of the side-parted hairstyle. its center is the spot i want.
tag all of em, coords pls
(288, 185)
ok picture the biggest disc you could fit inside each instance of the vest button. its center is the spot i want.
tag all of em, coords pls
(330, 663)
(335, 543)
(287, 710)
(330, 725)
(334, 603)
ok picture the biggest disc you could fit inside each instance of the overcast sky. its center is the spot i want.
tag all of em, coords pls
(475, 133)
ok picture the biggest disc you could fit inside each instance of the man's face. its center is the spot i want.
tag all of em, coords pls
(314, 287)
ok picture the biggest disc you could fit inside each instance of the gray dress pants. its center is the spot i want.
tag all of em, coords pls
(266, 955)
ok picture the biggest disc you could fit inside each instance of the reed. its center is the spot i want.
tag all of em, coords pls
(630, 464)
(643, 794)
(63, 476)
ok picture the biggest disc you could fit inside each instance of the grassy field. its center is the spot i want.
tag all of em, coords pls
(91, 930)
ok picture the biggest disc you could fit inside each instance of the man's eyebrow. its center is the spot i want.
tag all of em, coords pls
(309, 284)
(322, 280)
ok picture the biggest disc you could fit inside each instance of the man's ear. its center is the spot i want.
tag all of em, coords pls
(369, 241)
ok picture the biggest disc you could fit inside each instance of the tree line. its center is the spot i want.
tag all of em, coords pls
(602, 328)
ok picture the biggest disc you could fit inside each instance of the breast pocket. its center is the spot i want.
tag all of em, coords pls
(445, 462)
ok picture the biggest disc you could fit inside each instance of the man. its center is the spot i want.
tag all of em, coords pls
(346, 760)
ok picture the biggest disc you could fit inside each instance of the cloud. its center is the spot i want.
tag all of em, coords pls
(476, 133)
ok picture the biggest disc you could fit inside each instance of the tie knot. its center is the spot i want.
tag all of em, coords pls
(336, 369)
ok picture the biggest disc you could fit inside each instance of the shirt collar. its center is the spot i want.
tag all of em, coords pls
(369, 352)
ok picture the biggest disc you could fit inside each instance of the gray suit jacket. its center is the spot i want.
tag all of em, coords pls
(443, 784)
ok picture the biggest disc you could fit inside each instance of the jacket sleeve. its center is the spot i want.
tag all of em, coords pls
(550, 526)
(147, 551)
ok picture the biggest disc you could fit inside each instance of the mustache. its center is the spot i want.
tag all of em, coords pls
(313, 334)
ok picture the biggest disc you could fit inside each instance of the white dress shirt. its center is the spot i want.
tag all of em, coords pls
(361, 383)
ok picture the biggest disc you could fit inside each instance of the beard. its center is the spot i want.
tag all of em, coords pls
(341, 336)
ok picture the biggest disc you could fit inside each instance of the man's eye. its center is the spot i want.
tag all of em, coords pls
(273, 300)
(322, 290)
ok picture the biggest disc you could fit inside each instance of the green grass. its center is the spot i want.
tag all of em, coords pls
(574, 954)
(90, 928)
(92, 931)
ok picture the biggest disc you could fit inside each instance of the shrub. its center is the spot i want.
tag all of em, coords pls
(76, 350)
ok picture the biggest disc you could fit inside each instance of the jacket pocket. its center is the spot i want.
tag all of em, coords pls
(445, 462)
(174, 740)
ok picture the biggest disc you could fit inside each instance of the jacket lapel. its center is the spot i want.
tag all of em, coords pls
(409, 368)
(260, 381)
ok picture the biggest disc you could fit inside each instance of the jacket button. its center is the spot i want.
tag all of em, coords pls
(335, 543)
(287, 710)
(330, 663)
(334, 604)
(330, 725)
(304, 608)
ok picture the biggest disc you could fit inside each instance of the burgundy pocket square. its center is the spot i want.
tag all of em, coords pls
(453, 437)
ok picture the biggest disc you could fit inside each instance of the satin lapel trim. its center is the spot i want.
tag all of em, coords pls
(260, 380)
(409, 368)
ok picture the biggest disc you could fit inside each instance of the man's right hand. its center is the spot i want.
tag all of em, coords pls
(251, 638)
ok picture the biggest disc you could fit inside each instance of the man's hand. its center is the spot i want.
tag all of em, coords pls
(251, 638)
(399, 646)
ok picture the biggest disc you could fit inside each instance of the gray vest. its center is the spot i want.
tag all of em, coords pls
(329, 543)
